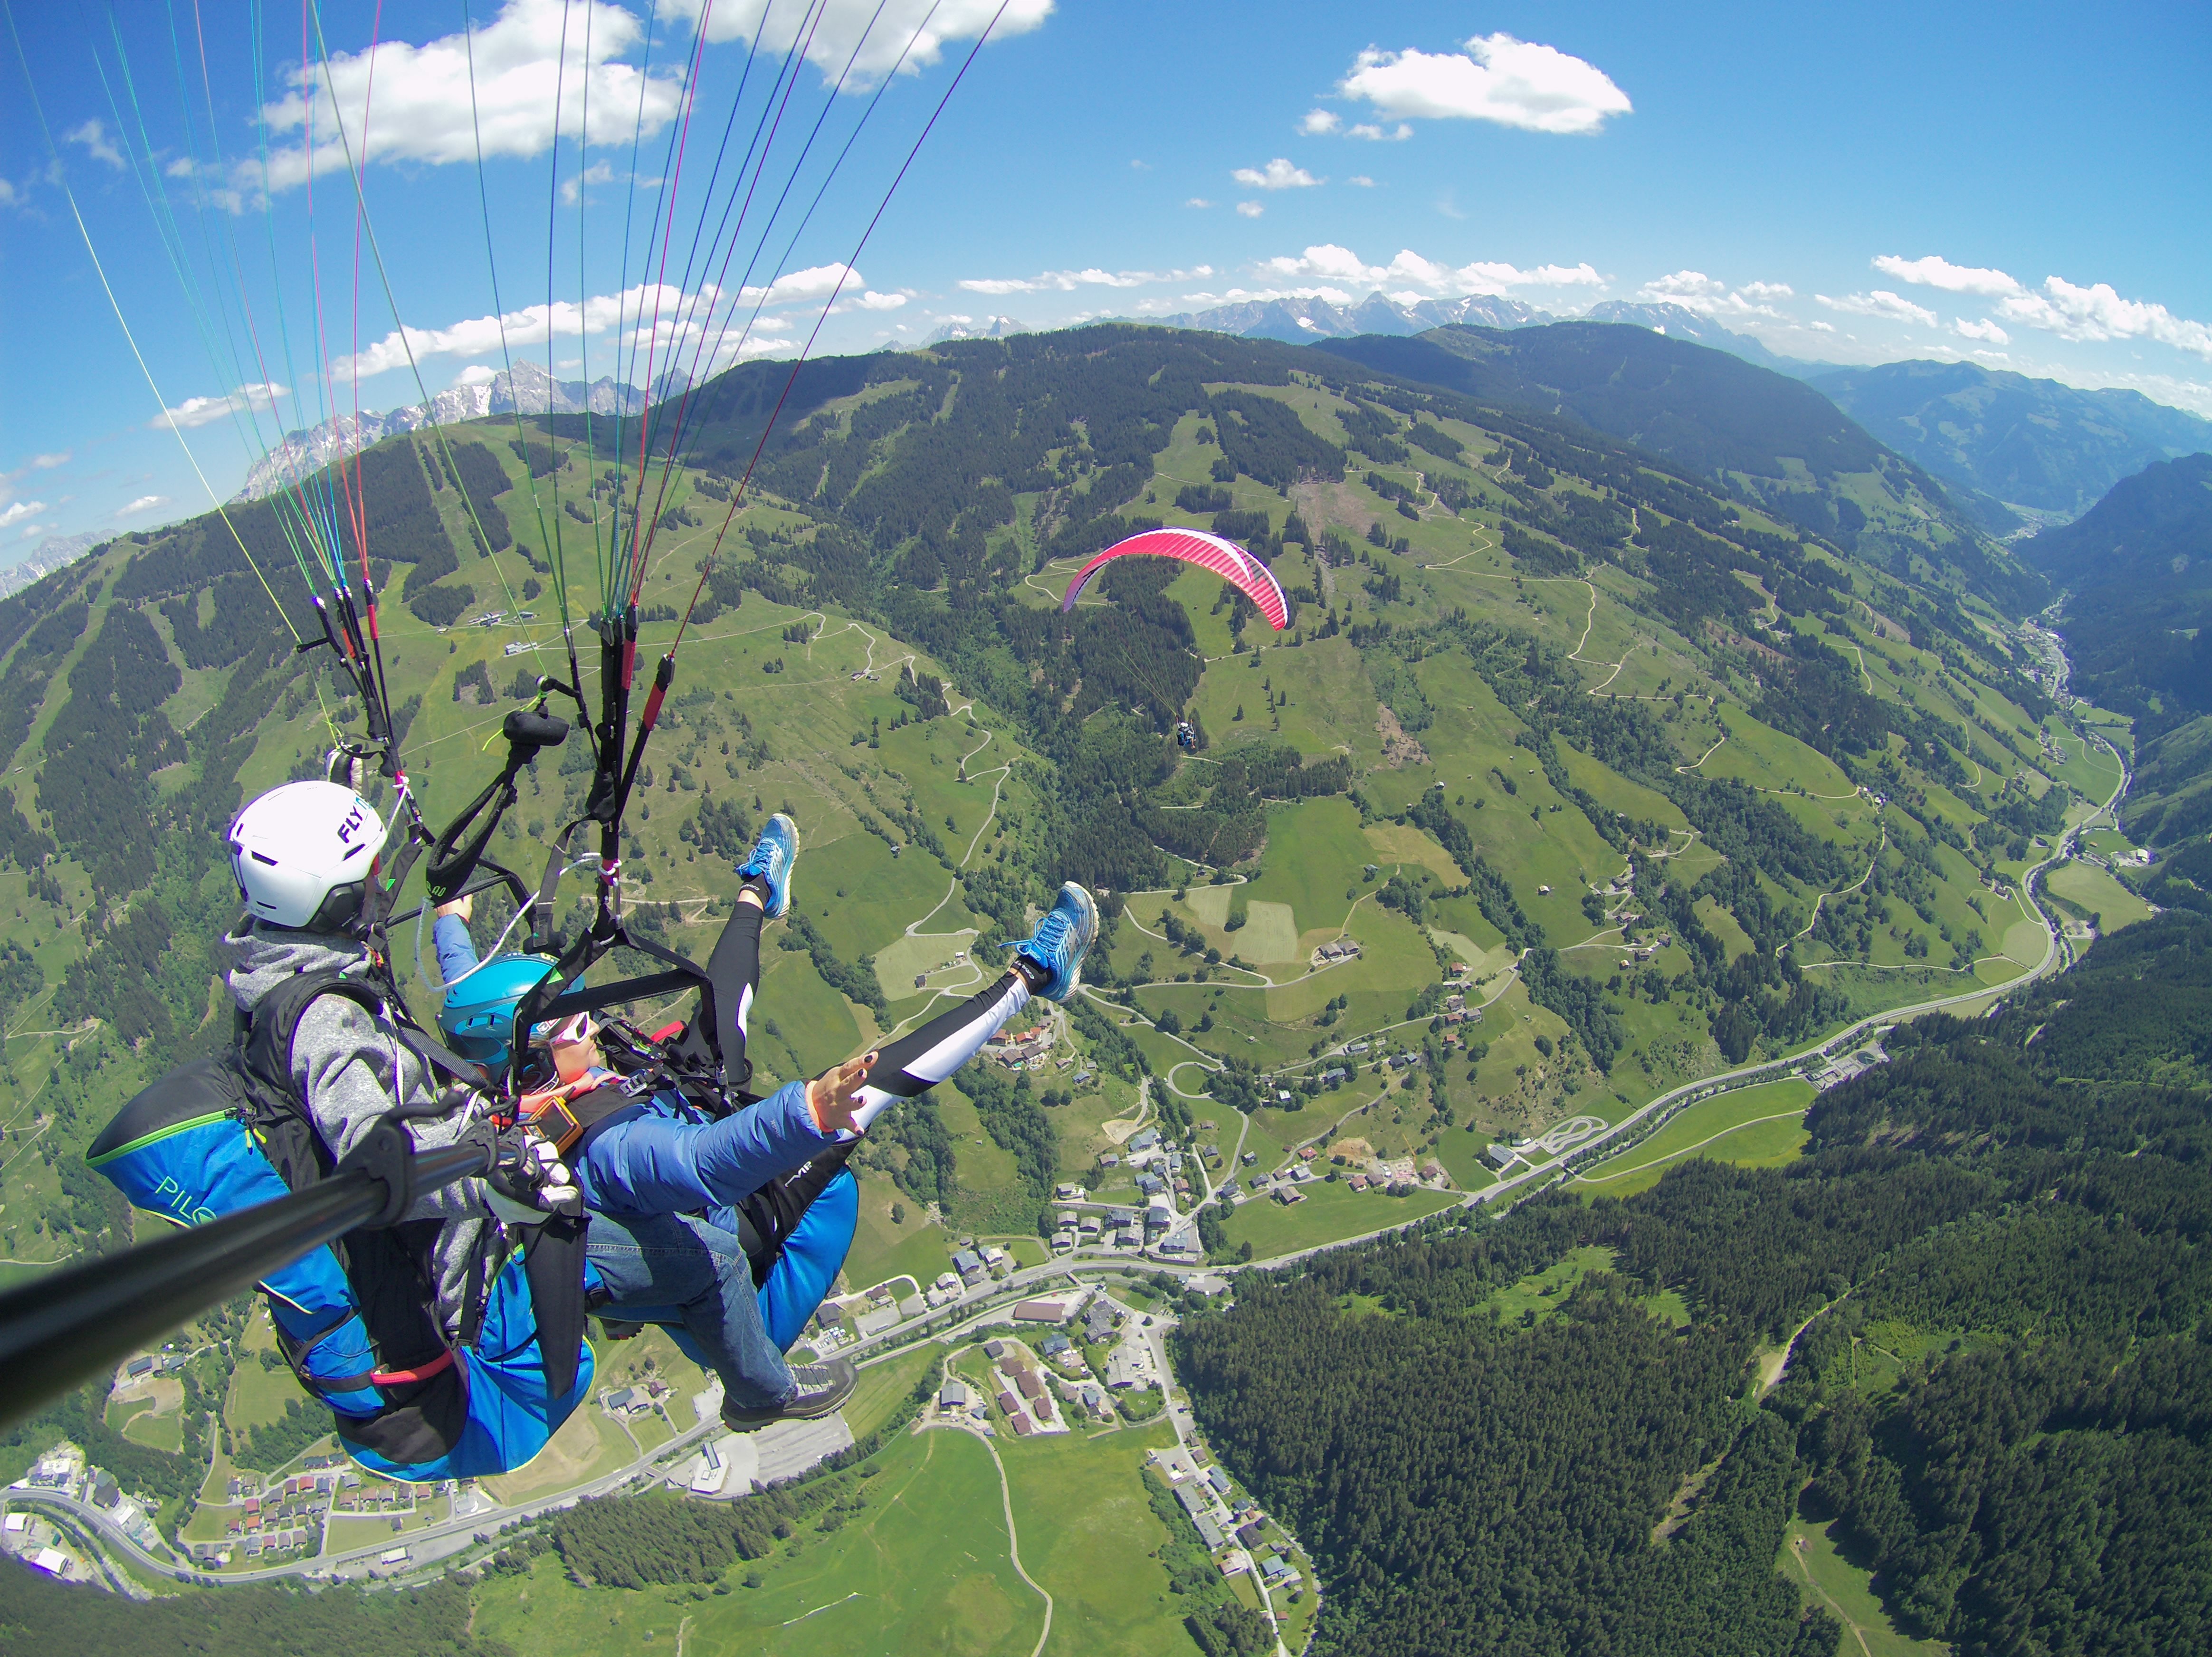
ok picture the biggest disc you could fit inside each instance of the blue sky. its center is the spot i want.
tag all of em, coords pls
(2022, 185)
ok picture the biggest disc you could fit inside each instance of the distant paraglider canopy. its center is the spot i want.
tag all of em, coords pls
(1224, 558)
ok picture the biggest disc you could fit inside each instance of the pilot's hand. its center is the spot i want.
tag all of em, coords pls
(530, 1183)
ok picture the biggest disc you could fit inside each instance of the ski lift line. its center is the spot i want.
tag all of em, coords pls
(737, 495)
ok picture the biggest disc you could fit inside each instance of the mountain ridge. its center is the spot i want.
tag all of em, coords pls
(2028, 442)
(1709, 410)
(525, 389)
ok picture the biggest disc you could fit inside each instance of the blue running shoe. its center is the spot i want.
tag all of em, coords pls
(1057, 946)
(774, 854)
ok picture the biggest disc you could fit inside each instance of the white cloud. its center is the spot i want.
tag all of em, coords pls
(1067, 281)
(1819, 327)
(911, 35)
(1934, 271)
(1498, 78)
(1375, 134)
(2097, 312)
(1694, 290)
(1881, 303)
(17, 510)
(1277, 174)
(1140, 167)
(573, 186)
(1250, 209)
(795, 286)
(662, 317)
(477, 373)
(47, 463)
(1330, 262)
(30, 530)
(256, 399)
(92, 136)
(144, 503)
(9, 195)
(1984, 329)
(1362, 180)
(422, 110)
(1318, 121)
(1198, 201)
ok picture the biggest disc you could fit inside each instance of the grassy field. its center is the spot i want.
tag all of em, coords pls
(589, 1444)
(923, 1569)
(1331, 1210)
(882, 1249)
(2094, 892)
(1753, 1127)
(882, 1386)
(1812, 1558)
(1087, 1536)
(1543, 1293)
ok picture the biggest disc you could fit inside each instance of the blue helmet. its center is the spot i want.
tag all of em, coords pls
(478, 1016)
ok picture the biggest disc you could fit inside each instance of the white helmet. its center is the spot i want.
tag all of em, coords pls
(302, 854)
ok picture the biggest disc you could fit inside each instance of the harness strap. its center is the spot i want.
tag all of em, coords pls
(436, 1366)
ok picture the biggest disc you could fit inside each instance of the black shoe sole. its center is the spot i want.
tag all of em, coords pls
(747, 1420)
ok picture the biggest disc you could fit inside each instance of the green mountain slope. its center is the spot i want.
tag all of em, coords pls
(2030, 442)
(1762, 437)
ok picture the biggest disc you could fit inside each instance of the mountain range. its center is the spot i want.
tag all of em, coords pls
(2030, 443)
(526, 389)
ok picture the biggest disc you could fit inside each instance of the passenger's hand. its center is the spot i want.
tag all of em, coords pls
(835, 1095)
(463, 906)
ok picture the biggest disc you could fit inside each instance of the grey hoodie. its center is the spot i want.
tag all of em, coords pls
(352, 1068)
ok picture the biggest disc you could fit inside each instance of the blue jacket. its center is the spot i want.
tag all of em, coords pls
(674, 1159)
(671, 1158)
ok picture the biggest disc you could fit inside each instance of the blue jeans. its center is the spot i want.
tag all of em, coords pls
(691, 1270)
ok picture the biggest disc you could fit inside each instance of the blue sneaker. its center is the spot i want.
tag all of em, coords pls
(1057, 946)
(774, 854)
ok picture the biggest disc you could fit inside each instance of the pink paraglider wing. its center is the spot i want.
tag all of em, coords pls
(1224, 558)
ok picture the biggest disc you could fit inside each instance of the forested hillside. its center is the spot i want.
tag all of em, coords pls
(2138, 581)
(1992, 1255)
(1772, 438)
